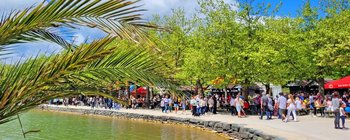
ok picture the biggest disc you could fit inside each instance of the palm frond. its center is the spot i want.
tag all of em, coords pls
(119, 18)
(45, 35)
(26, 85)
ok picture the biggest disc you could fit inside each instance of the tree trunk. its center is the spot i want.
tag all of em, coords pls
(268, 88)
(199, 87)
(147, 97)
(225, 94)
(245, 87)
(151, 93)
(321, 83)
(128, 93)
(245, 91)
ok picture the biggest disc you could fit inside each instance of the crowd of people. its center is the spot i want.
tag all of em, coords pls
(200, 105)
(92, 101)
(283, 106)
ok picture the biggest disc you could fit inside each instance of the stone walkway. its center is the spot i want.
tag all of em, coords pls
(307, 127)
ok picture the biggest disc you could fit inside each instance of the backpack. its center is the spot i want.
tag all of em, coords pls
(265, 102)
(257, 101)
(270, 106)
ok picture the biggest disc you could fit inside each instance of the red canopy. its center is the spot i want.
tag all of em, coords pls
(337, 84)
(140, 91)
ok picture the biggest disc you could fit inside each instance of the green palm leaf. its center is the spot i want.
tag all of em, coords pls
(87, 69)
(119, 18)
(45, 35)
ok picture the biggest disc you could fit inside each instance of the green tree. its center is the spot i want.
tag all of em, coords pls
(331, 40)
(174, 39)
(326, 41)
(250, 44)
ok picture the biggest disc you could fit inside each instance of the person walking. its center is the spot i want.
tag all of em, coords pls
(257, 102)
(193, 103)
(282, 105)
(239, 104)
(291, 106)
(232, 105)
(176, 104)
(263, 106)
(93, 102)
(335, 106)
(211, 104)
(183, 105)
(198, 99)
(162, 104)
(270, 107)
(170, 103)
(215, 104)
(275, 107)
(206, 109)
(203, 105)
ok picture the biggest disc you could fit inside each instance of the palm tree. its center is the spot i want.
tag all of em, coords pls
(78, 69)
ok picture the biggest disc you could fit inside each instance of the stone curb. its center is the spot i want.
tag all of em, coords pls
(234, 131)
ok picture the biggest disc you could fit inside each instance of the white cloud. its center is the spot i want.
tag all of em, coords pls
(164, 7)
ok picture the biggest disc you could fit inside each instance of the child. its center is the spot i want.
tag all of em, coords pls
(342, 114)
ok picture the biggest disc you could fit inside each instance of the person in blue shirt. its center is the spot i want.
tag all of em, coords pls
(301, 97)
(347, 108)
(132, 87)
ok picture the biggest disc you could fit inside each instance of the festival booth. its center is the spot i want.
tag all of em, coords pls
(139, 92)
(343, 83)
(308, 86)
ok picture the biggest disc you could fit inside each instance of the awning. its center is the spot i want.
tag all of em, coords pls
(338, 84)
(142, 91)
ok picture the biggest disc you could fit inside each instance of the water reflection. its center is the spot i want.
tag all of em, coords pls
(63, 126)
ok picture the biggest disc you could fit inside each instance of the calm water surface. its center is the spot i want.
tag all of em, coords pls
(63, 126)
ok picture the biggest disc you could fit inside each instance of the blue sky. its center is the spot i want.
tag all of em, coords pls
(161, 7)
(289, 7)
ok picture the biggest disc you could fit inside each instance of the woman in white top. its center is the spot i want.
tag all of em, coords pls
(291, 106)
(203, 105)
(238, 103)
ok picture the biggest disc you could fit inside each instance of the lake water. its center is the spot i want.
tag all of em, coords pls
(65, 126)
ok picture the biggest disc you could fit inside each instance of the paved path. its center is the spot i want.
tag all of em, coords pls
(307, 128)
